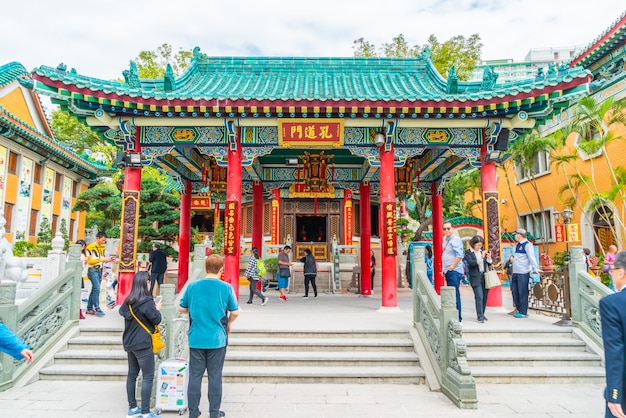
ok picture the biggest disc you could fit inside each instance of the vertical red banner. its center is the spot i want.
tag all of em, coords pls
(276, 216)
(348, 216)
(390, 242)
(231, 218)
(559, 233)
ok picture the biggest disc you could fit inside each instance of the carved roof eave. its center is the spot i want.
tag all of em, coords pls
(612, 36)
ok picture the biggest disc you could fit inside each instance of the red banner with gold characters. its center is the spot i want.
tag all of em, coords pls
(276, 216)
(389, 238)
(231, 218)
(559, 233)
(200, 202)
(347, 216)
(310, 132)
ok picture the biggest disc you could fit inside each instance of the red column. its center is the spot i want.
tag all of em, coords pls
(388, 195)
(257, 219)
(365, 215)
(184, 238)
(233, 193)
(437, 217)
(491, 222)
(128, 237)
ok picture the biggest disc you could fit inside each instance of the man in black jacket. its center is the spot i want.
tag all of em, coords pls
(158, 266)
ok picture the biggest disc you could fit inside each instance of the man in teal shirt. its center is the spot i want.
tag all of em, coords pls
(212, 308)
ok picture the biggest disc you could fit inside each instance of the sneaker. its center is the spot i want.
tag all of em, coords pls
(134, 412)
(315, 296)
(90, 312)
(513, 312)
(99, 312)
(519, 315)
(150, 415)
(305, 297)
(283, 298)
(264, 301)
(249, 302)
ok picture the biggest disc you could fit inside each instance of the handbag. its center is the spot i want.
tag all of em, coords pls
(157, 340)
(491, 279)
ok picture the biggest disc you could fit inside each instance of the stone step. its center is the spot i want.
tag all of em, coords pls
(329, 334)
(321, 359)
(523, 344)
(555, 333)
(538, 375)
(91, 357)
(258, 374)
(538, 359)
(320, 344)
(95, 342)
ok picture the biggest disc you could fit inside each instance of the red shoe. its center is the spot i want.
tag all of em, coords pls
(283, 297)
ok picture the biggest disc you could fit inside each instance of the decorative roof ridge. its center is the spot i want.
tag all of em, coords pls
(10, 72)
(587, 50)
(52, 142)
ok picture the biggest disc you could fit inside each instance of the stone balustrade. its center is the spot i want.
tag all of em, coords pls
(435, 319)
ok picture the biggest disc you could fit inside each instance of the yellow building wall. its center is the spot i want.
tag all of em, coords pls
(36, 197)
(16, 103)
(10, 195)
(549, 185)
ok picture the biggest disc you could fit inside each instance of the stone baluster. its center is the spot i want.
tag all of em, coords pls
(55, 263)
(8, 316)
(577, 264)
(417, 264)
(199, 261)
(448, 312)
(73, 262)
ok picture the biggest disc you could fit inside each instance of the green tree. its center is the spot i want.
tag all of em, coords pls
(45, 231)
(218, 238)
(152, 64)
(461, 52)
(72, 133)
(64, 235)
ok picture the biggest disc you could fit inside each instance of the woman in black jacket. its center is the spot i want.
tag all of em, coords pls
(478, 261)
(138, 343)
(310, 271)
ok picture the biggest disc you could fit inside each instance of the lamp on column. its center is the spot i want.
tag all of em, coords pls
(567, 215)
(379, 139)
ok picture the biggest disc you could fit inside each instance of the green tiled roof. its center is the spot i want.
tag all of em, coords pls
(613, 36)
(331, 80)
(10, 72)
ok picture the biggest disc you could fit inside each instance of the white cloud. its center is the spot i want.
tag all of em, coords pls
(99, 38)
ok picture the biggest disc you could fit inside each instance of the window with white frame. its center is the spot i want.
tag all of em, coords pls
(541, 166)
(534, 223)
(583, 147)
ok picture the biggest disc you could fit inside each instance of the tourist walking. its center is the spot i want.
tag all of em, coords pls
(524, 263)
(252, 274)
(478, 261)
(158, 266)
(310, 271)
(96, 257)
(14, 346)
(613, 319)
(83, 262)
(451, 260)
(508, 267)
(139, 307)
(284, 272)
(372, 268)
(212, 308)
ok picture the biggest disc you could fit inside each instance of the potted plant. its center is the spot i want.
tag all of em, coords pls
(271, 266)
(547, 264)
(593, 264)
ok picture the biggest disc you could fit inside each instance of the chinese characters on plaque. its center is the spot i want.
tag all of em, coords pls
(310, 133)
(390, 242)
(566, 233)
(231, 219)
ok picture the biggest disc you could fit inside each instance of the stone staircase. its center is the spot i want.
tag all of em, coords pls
(262, 357)
(554, 355)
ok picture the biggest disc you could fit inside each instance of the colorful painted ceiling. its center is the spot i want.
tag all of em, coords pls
(26, 135)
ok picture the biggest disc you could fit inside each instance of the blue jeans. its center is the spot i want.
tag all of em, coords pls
(211, 360)
(453, 278)
(140, 360)
(519, 287)
(95, 276)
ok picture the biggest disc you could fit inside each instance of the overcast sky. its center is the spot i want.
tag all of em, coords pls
(98, 38)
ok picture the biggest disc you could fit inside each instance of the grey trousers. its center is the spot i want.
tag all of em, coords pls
(211, 360)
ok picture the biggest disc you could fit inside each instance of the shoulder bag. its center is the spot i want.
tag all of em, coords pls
(492, 279)
(157, 340)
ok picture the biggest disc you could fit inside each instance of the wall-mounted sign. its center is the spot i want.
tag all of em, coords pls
(200, 202)
(389, 238)
(310, 133)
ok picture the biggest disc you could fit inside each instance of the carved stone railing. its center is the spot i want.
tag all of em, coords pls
(435, 320)
(586, 292)
(551, 295)
(48, 315)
